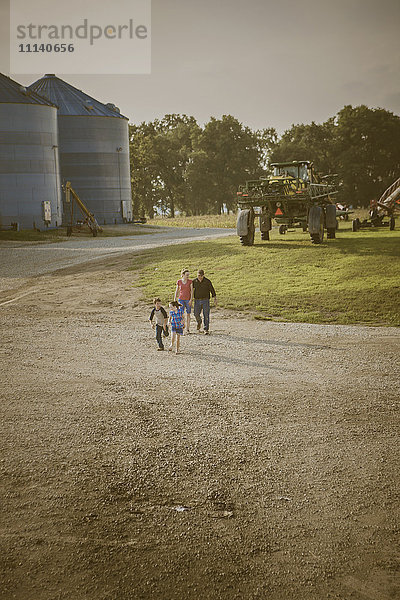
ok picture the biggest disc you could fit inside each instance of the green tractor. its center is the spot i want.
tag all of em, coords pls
(295, 196)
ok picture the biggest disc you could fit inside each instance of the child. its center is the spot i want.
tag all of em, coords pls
(176, 322)
(161, 321)
(184, 294)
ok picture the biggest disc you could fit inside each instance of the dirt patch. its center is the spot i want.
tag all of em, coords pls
(262, 462)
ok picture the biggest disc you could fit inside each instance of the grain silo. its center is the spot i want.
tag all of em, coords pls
(94, 149)
(30, 193)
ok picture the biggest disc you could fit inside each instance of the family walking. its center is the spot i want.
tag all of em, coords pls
(188, 293)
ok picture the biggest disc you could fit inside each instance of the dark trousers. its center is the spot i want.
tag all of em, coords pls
(202, 305)
(159, 331)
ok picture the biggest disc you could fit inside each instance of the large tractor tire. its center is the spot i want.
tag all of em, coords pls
(316, 224)
(265, 226)
(331, 222)
(330, 233)
(245, 227)
(392, 223)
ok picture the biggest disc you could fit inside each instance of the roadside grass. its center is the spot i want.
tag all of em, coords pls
(353, 279)
(31, 235)
(60, 235)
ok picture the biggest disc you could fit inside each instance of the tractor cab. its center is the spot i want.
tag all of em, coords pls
(296, 169)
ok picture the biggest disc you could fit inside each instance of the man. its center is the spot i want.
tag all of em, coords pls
(202, 289)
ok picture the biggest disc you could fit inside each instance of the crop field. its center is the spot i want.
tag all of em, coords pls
(354, 278)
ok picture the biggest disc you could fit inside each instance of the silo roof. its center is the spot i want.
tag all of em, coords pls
(12, 92)
(70, 100)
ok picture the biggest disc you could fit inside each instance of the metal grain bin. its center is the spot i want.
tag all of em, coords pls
(94, 149)
(30, 191)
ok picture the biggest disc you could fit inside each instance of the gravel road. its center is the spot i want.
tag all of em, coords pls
(260, 464)
(23, 260)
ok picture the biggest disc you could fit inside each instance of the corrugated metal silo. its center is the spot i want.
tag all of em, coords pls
(94, 149)
(30, 191)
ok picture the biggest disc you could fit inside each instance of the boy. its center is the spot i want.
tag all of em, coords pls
(161, 321)
(176, 322)
(184, 294)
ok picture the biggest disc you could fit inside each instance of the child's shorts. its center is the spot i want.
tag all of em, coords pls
(178, 330)
(185, 304)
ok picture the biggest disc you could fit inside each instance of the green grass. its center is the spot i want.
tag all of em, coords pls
(30, 235)
(224, 221)
(60, 235)
(352, 279)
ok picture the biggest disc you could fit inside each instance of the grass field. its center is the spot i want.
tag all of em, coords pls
(354, 278)
(60, 235)
(224, 221)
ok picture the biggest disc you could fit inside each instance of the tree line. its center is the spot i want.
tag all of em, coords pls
(179, 166)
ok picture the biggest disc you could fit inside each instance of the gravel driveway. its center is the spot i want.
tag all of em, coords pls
(23, 260)
(260, 464)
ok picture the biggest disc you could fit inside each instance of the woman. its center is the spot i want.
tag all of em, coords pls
(184, 294)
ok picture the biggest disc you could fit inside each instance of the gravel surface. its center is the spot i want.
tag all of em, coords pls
(22, 260)
(261, 463)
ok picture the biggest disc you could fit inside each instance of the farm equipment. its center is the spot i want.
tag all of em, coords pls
(386, 207)
(88, 217)
(343, 211)
(295, 196)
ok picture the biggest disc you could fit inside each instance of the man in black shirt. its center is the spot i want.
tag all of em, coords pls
(202, 289)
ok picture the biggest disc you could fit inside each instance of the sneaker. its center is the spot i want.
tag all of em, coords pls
(170, 348)
(198, 326)
(160, 349)
(177, 351)
(207, 332)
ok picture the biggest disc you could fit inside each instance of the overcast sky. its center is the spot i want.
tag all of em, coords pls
(267, 63)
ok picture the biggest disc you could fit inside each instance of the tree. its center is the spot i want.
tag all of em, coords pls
(313, 142)
(143, 172)
(267, 140)
(177, 165)
(225, 154)
(367, 147)
(160, 151)
(361, 145)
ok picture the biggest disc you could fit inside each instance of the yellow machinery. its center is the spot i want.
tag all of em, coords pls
(88, 218)
(295, 196)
